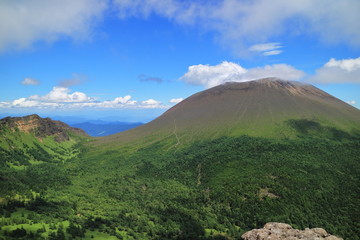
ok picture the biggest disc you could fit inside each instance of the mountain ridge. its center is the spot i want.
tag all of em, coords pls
(33, 140)
(41, 127)
(105, 128)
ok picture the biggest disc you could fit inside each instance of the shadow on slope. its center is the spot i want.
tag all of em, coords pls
(311, 128)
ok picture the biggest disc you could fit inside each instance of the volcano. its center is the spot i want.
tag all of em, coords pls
(261, 108)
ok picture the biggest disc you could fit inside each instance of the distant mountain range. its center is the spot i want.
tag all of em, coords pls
(100, 128)
(93, 127)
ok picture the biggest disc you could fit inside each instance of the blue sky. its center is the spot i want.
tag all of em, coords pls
(132, 60)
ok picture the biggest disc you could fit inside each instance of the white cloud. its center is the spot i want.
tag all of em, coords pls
(273, 52)
(28, 103)
(345, 64)
(122, 100)
(267, 49)
(241, 23)
(24, 22)
(61, 94)
(237, 23)
(283, 71)
(23, 102)
(210, 76)
(61, 98)
(263, 47)
(119, 102)
(150, 102)
(352, 102)
(176, 100)
(30, 81)
(338, 71)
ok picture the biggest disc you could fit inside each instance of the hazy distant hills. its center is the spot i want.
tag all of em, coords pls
(265, 108)
(102, 128)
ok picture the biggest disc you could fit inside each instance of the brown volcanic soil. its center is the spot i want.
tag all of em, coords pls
(256, 108)
(41, 127)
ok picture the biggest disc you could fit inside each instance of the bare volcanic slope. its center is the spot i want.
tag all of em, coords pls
(267, 107)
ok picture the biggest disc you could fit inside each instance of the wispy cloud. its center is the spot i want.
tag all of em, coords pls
(145, 78)
(236, 23)
(267, 49)
(210, 76)
(240, 24)
(273, 52)
(30, 81)
(24, 22)
(75, 80)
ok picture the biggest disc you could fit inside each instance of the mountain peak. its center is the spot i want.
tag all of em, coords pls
(257, 108)
(292, 87)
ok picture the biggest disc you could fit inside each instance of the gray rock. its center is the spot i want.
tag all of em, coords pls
(283, 231)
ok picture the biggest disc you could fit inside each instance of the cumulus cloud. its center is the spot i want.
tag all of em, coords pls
(23, 102)
(24, 22)
(30, 81)
(63, 98)
(352, 102)
(338, 71)
(345, 64)
(176, 100)
(151, 103)
(210, 76)
(61, 94)
(241, 23)
(267, 49)
(145, 78)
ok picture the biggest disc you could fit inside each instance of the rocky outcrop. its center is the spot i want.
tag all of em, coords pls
(282, 231)
(40, 127)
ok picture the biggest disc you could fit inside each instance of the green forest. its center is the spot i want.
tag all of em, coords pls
(214, 189)
(209, 189)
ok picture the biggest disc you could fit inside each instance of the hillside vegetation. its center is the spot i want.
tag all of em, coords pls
(212, 189)
(199, 171)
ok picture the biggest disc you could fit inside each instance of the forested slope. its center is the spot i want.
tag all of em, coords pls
(218, 164)
(213, 188)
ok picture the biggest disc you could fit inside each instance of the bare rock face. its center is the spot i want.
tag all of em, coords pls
(40, 127)
(282, 231)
